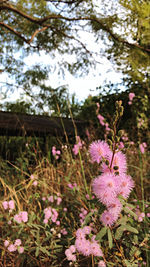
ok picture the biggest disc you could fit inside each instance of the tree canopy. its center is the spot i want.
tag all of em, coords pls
(78, 34)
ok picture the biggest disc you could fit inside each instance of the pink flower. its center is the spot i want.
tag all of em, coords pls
(11, 204)
(125, 185)
(115, 208)
(83, 246)
(131, 96)
(12, 248)
(80, 234)
(104, 187)
(101, 119)
(51, 199)
(21, 250)
(35, 183)
(119, 161)
(87, 230)
(59, 200)
(17, 242)
(72, 248)
(5, 205)
(142, 147)
(107, 218)
(18, 218)
(32, 177)
(101, 263)
(99, 150)
(24, 216)
(6, 243)
(95, 249)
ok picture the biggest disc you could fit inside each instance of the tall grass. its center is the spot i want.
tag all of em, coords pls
(64, 185)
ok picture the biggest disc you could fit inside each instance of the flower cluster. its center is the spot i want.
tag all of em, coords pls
(77, 146)
(82, 215)
(131, 96)
(9, 205)
(21, 217)
(113, 181)
(56, 153)
(142, 147)
(51, 213)
(85, 246)
(52, 199)
(34, 179)
(14, 247)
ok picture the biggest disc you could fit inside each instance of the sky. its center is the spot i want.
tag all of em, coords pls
(81, 86)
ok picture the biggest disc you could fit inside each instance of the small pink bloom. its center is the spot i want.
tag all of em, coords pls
(35, 183)
(18, 218)
(21, 250)
(131, 96)
(101, 264)
(59, 200)
(11, 204)
(32, 177)
(17, 242)
(5, 205)
(24, 216)
(12, 248)
(6, 243)
(72, 248)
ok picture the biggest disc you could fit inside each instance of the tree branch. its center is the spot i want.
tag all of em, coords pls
(41, 21)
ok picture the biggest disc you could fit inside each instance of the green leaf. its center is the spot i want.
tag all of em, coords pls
(88, 218)
(110, 239)
(37, 252)
(128, 211)
(45, 251)
(119, 232)
(101, 233)
(131, 229)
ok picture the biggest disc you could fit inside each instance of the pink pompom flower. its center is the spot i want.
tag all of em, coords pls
(99, 150)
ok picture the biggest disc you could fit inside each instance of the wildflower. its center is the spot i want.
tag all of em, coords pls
(17, 242)
(101, 119)
(115, 208)
(104, 187)
(11, 204)
(51, 199)
(95, 249)
(87, 230)
(125, 185)
(99, 150)
(142, 147)
(80, 234)
(21, 217)
(72, 248)
(119, 162)
(24, 216)
(83, 246)
(12, 248)
(55, 153)
(35, 183)
(21, 250)
(59, 200)
(131, 96)
(5, 205)
(101, 263)
(6, 243)
(107, 218)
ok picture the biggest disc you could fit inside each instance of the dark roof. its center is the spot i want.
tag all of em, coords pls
(16, 124)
